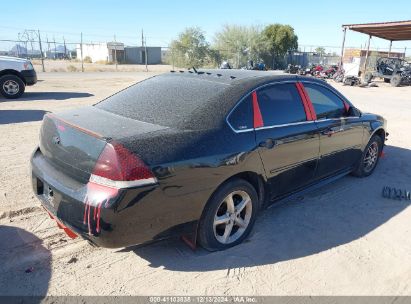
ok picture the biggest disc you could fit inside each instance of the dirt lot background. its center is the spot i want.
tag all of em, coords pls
(343, 239)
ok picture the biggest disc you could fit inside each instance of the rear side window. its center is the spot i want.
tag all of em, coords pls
(281, 104)
(241, 118)
(325, 102)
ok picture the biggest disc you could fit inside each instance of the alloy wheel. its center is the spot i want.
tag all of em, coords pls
(232, 217)
(371, 157)
(11, 87)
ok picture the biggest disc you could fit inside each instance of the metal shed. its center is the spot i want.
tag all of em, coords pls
(137, 54)
(392, 31)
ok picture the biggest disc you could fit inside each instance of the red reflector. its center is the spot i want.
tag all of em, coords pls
(258, 119)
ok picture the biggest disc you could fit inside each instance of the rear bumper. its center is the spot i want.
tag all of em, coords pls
(134, 216)
(30, 77)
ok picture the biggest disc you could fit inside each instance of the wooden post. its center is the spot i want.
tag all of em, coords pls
(389, 51)
(342, 46)
(366, 54)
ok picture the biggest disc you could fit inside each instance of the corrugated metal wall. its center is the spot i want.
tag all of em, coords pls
(135, 55)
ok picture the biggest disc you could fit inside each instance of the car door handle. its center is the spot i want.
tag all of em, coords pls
(269, 143)
(331, 132)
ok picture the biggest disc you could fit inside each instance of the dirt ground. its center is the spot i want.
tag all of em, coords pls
(75, 66)
(343, 239)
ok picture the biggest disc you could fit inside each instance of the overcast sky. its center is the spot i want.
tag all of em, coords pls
(315, 22)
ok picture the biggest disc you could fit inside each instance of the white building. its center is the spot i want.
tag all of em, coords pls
(106, 51)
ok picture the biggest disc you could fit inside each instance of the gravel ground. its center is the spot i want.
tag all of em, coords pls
(343, 239)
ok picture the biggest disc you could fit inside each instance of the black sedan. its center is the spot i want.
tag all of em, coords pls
(197, 154)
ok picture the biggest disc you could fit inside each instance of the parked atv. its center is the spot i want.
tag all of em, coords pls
(394, 70)
(292, 69)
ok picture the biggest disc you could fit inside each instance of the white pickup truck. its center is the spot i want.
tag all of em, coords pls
(15, 75)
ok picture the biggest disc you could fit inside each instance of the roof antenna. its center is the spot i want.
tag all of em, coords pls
(195, 71)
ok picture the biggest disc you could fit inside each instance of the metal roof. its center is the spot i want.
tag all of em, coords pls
(394, 31)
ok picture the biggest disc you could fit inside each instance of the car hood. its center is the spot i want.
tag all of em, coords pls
(13, 59)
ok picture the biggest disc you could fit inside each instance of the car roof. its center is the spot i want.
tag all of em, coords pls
(199, 99)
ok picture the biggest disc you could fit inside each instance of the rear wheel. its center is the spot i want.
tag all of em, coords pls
(370, 157)
(11, 86)
(229, 215)
(395, 80)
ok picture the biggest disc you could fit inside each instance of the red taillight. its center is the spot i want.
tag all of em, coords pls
(119, 168)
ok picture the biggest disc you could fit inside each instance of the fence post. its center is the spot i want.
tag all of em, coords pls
(65, 49)
(41, 52)
(81, 50)
(145, 50)
(115, 51)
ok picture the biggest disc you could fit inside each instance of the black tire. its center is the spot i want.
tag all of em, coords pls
(362, 170)
(395, 80)
(11, 86)
(207, 234)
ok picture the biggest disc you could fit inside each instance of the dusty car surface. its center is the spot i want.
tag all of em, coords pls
(197, 153)
(15, 75)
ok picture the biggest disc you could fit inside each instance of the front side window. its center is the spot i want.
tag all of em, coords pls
(280, 104)
(242, 116)
(325, 102)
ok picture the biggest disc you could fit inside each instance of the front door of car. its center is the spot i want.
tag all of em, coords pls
(341, 131)
(288, 143)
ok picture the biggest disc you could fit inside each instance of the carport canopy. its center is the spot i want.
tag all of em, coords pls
(393, 31)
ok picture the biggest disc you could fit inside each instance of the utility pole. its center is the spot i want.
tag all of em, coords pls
(81, 49)
(41, 52)
(142, 37)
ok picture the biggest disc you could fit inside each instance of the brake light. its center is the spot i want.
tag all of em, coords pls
(117, 167)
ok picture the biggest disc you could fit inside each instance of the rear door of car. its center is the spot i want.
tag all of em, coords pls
(341, 133)
(286, 135)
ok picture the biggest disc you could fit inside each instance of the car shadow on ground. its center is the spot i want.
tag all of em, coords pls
(32, 96)
(18, 116)
(25, 264)
(331, 216)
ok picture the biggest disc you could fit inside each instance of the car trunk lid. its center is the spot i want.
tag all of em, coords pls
(73, 141)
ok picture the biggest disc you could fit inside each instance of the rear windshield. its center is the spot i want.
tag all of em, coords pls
(168, 100)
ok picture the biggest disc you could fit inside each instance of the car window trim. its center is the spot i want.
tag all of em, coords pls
(339, 95)
(289, 124)
(330, 88)
(265, 127)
